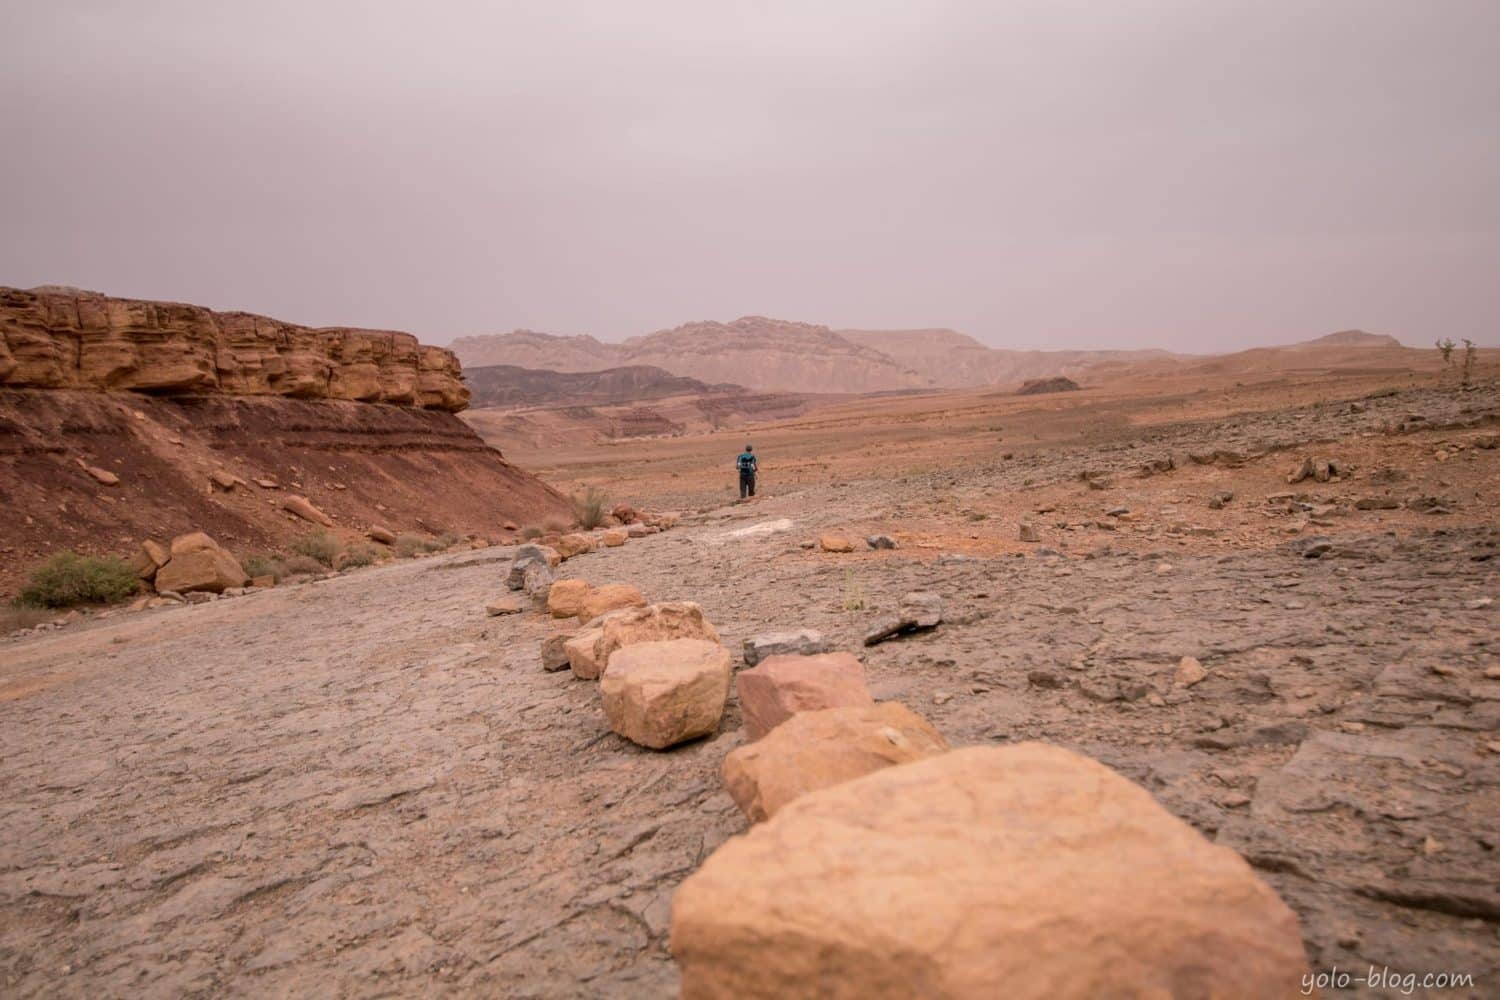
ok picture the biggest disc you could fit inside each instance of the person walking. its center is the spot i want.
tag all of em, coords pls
(747, 465)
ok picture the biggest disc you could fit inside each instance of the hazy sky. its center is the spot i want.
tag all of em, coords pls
(1191, 174)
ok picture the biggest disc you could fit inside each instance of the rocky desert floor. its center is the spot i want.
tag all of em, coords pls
(365, 786)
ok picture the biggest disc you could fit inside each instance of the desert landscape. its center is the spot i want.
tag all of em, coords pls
(755, 501)
(1260, 587)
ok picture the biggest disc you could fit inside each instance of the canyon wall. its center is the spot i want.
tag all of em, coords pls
(67, 339)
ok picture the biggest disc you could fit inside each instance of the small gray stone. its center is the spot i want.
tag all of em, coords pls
(802, 642)
(881, 542)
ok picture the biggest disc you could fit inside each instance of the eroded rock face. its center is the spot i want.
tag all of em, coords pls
(83, 340)
(820, 749)
(1022, 871)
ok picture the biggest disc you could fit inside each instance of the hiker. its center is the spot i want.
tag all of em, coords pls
(747, 465)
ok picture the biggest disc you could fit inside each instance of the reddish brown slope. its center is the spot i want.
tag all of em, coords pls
(363, 464)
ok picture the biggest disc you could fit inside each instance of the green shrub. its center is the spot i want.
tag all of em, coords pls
(444, 541)
(69, 578)
(531, 532)
(556, 525)
(357, 556)
(590, 508)
(299, 565)
(320, 545)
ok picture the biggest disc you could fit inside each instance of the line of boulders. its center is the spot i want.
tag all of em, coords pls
(882, 863)
(193, 567)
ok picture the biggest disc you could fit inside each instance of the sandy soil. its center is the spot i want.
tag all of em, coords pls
(363, 786)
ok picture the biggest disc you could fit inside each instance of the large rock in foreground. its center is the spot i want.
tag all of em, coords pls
(814, 750)
(661, 693)
(1023, 871)
(197, 562)
(782, 686)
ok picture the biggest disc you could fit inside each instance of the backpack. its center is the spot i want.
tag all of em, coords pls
(746, 462)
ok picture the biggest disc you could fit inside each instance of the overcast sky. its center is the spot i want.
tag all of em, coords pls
(1189, 174)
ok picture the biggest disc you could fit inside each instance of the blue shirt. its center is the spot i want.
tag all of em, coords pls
(746, 462)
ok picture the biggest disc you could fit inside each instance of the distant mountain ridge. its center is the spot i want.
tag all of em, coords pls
(753, 351)
(771, 355)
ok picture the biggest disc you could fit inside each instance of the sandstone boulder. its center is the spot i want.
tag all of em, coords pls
(554, 652)
(198, 564)
(223, 480)
(615, 537)
(303, 508)
(158, 552)
(610, 597)
(383, 535)
(782, 686)
(835, 543)
(655, 623)
(802, 642)
(819, 749)
(658, 694)
(585, 653)
(569, 546)
(565, 599)
(1021, 871)
(263, 582)
(624, 513)
(102, 476)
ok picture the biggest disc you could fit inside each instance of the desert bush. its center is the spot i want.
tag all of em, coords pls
(14, 616)
(555, 525)
(299, 565)
(590, 508)
(69, 578)
(358, 555)
(319, 545)
(444, 541)
(264, 565)
(531, 532)
(410, 544)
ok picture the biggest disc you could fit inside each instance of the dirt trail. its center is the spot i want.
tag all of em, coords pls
(364, 786)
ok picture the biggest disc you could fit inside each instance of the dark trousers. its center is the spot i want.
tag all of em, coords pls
(747, 484)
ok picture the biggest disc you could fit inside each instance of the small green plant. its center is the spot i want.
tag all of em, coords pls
(530, 533)
(444, 541)
(854, 594)
(590, 508)
(320, 545)
(1471, 354)
(409, 544)
(357, 556)
(69, 578)
(555, 526)
(1445, 347)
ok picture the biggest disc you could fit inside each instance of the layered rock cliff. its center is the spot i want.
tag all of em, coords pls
(67, 339)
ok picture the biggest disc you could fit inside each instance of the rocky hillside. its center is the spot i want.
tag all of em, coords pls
(753, 351)
(123, 420)
(52, 338)
(511, 387)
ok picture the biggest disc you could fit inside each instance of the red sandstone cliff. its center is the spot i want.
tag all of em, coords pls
(64, 339)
